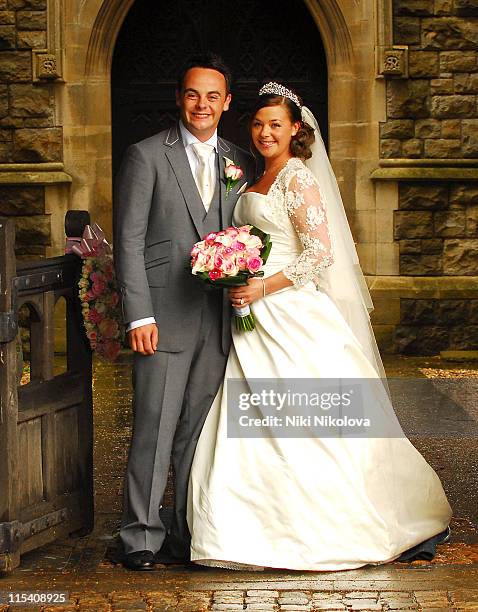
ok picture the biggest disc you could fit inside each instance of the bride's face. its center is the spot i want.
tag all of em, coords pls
(272, 130)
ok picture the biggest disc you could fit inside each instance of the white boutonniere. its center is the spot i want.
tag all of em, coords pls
(232, 173)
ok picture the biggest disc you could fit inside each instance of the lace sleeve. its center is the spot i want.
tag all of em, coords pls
(306, 210)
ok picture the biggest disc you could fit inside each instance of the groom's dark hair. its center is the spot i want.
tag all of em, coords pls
(206, 60)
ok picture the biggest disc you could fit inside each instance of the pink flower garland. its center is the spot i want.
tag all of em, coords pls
(100, 306)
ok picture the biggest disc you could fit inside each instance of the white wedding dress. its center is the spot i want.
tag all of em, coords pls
(303, 503)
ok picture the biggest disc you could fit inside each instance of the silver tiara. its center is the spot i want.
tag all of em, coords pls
(279, 90)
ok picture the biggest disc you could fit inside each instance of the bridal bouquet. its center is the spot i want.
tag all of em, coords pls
(228, 259)
(98, 293)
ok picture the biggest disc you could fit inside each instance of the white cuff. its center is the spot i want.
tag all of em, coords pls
(140, 322)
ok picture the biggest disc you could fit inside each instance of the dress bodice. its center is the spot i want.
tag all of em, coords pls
(293, 213)
(253, 208)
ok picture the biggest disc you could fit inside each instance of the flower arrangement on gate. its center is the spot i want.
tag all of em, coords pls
(98, 292)
(228, 259)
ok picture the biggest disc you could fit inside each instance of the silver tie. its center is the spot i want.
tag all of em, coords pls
(204, 172)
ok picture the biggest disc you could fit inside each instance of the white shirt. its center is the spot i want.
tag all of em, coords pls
(188, 140)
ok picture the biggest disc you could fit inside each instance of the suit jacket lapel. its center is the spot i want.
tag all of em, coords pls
(178, 159)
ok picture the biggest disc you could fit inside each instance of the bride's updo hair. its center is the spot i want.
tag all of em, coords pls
(305, 137)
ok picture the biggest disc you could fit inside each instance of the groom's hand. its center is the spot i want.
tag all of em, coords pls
(144, 339)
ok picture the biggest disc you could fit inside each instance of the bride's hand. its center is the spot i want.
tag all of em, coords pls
(242, 296)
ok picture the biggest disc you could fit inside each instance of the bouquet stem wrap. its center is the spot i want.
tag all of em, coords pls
(243, 319)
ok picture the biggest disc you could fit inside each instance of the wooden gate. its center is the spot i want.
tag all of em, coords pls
(46, 426)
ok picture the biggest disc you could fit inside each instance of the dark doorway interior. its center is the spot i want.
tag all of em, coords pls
(270, 39)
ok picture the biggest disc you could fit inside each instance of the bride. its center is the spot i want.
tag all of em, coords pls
(313, 503)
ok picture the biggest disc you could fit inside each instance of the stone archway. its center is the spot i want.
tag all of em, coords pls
(263, 44)
(355, 105)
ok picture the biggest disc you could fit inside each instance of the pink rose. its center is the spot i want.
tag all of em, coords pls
(97, 277)
(252, 253)
(242, 263)
(232, 231)
(94, 316)
(230, 268)
(218, 260)
(233, 172)
(254, 264)
(98, 288)
(210, 238)
(238, 246)
(215, 274)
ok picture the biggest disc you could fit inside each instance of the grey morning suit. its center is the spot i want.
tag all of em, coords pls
(159, 215)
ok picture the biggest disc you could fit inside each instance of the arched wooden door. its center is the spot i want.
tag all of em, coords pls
(270, 39)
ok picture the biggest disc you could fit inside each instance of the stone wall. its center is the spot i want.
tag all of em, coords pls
(432, 118)
(28, 134)
(430, 326)
(434, 114)
(26, 205)
(437, 228)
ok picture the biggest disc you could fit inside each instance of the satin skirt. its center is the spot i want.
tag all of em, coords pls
(306, 503)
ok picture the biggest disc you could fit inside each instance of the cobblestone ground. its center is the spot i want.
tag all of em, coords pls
(428, 590)
(87, 567)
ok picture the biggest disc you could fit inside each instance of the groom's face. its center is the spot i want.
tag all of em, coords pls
(202, 100)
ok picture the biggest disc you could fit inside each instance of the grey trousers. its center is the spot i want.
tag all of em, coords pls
(172, 395)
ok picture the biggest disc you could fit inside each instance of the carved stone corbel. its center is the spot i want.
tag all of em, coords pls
(391, 60)
(48, 63)
(46, 66)
(395, 62)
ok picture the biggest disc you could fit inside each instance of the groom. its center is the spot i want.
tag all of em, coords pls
(169, 193)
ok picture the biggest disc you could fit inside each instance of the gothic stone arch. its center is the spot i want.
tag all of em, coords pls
(356, 104)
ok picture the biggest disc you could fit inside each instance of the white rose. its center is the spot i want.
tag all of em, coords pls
(243, 237)
(253, 242)
(225, 240)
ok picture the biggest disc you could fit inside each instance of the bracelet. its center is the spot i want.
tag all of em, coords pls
(263, 287)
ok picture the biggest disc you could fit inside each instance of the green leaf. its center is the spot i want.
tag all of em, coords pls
(266, 251)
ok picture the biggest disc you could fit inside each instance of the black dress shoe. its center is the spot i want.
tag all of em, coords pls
(426, 550)
(140, 561)
(444, 536)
